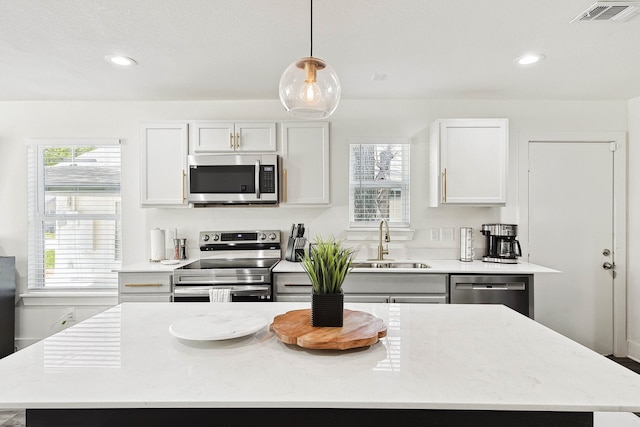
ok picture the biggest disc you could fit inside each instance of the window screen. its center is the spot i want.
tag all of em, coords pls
(74, 215)
(379, 184)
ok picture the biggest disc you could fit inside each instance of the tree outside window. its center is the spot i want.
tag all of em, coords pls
(379, 184)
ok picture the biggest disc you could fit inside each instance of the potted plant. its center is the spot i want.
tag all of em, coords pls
(327, 264)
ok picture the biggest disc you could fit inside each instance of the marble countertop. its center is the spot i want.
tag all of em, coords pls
(484, 357)
(154, 267)
(435, 266)
(447, 266)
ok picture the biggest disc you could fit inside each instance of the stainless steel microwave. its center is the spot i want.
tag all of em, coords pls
(232, 179)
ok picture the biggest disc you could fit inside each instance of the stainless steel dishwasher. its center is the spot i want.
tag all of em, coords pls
(515, 292)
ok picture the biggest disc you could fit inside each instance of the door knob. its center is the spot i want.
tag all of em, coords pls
(608, 266)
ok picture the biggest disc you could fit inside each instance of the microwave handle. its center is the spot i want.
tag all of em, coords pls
(257, 179)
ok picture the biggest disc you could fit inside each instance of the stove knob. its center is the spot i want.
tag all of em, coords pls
(262, 236)
(216, 237)
(205, 237)
(272, 236)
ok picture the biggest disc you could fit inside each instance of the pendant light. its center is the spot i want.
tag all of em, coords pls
(309, 88)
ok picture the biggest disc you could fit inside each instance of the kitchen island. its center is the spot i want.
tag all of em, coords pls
(451, 364)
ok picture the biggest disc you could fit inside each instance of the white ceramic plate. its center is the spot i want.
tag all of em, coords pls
(169, 261)
(221, 325)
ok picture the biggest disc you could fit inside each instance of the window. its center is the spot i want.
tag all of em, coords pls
(74, 214)
(379, 183)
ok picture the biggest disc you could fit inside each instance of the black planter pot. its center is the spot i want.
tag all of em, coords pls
(327, 309)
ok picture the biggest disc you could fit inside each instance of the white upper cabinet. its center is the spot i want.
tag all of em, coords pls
(468, 162)
(229, 137)
(305, 163)
(163, 163)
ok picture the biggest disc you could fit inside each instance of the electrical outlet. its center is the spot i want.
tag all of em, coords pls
(447, 234)
(435, 234)
(71, 314)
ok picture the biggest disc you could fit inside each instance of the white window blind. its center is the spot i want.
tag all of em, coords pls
(379, 184)
(74, 214)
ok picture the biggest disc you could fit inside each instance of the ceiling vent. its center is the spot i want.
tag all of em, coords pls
(609, 11)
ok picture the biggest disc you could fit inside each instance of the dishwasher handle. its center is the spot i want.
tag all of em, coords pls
(517, 286)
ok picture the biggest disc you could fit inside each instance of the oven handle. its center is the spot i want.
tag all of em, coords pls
(208, 280)
(235, 290)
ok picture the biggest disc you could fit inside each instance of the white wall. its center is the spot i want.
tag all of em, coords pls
(402, 118)
(633, 230)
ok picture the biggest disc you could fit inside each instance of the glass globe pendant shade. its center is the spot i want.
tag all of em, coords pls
(310, 89)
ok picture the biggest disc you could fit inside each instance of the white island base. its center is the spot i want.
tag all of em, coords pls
(444, 365)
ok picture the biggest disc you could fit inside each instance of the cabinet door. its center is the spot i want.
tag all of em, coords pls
(228, 137)
(144, 283)
(292, 283)
(144, 298)
(419, 299)
(305, 163)
(211, 137)
(256, 136)
(472, 155)
(163, 166)
(366, 298)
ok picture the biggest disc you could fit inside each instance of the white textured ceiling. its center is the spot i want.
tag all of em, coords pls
(237, 49)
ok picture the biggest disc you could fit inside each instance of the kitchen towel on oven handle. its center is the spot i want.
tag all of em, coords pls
(220, 295)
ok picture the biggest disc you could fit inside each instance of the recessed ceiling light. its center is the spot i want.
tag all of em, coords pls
(530, 58)
(120, 60)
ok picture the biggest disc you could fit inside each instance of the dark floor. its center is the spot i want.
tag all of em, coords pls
(624, 361)
(627, 363)
(16, 418)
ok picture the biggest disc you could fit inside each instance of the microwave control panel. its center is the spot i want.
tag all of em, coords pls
(267, 179)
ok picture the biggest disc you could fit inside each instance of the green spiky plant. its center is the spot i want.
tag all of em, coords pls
(327, 264)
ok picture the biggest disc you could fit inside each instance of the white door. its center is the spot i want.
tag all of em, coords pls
(571, 228)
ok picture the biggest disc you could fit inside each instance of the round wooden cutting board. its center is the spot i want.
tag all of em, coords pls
(359, 329)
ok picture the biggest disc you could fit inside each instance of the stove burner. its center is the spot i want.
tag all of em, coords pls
(240, 263)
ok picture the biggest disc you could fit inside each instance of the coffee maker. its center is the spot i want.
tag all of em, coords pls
(502, 245)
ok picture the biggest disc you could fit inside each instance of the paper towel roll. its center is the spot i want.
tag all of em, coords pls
(157, 245)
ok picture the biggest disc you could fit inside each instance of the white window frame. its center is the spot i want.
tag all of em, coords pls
(405, 183)
(38, 216)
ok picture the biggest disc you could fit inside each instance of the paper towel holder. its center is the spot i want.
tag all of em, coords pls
(157, 245)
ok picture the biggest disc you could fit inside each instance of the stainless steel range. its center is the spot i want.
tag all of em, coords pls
(241, 261)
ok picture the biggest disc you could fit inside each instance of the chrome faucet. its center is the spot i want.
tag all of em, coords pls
(381, 250)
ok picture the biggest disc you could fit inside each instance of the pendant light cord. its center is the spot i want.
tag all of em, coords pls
(311, 30)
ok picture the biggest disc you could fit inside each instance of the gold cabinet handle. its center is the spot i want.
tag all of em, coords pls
(284, 185)
(237, 140)
(230, 140)
(444, 180)
(142, 285)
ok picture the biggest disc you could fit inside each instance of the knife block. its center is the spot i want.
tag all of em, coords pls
(295, 248)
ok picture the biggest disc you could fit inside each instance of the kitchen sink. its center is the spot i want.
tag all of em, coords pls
(389, 264)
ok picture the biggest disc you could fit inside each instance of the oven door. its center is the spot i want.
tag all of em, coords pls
(239, 293)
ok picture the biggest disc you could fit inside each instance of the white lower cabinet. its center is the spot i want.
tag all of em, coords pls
(144, 298)
(145, 287)
(381, 287)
